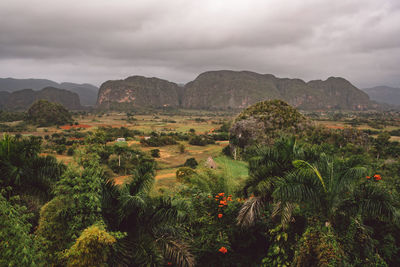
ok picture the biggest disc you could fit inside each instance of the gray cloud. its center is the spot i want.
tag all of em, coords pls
(96, 40)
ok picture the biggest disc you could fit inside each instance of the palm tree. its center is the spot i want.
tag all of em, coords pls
(332, 193)
(24, 170)
(331, 188)
(266, 168)
(153, 225)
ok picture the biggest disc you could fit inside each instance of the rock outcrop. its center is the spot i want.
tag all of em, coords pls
(138, 91)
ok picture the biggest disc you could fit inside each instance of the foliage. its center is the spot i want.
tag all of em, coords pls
(153, 225)
(201, 140)
(24, 170)
(76, 206)
(155, 153)
(184, 173)
(191, 162)
(158, 141)
(17, 247)
(92, 248)
(262, 122)
(45, 113)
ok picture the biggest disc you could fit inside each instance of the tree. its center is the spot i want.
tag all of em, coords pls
(330, 189)
(265, 168)
(24, 170)
(91, 249)
(191, 162)
(153, 225)
(17, 247)
(76, 206)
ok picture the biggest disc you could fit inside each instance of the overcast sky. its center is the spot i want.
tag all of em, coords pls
(98, 40)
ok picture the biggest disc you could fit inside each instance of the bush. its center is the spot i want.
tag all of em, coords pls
(191, 162)
(60, 149)
(155, 153)
(70, 151)
(202, 140)
(181, 148)
(183, 173)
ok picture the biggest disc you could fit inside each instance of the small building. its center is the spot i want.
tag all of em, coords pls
(121, 139)
(210, 163)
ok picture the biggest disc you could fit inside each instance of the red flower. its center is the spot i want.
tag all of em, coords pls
(368, 177)
(169, 263)
(223, 250)
(220, 215)
(377, 177)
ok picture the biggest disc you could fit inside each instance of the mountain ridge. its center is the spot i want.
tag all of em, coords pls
(384, 94)
(87, 92)
(227, 89)
(23, 99)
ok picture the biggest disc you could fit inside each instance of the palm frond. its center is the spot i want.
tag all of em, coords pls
(250, 211)
(303, 165)
(285, 210)
(176, 250)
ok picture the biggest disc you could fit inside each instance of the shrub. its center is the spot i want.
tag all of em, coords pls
(183, 173)
(191, 162)
(155, 153)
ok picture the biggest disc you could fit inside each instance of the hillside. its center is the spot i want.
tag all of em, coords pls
(233, 90)
(23, 99)
(87, 92)
(138, 91)
(384, 94)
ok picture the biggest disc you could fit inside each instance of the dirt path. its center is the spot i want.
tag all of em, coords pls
(165, 175)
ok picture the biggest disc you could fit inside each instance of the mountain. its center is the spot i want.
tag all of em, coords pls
(239, 89)
(86, 92)
(138, 91)
(232, 90)
(23, 99)
(384, 94)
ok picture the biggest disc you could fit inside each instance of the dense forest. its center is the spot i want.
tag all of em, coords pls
(313, 197)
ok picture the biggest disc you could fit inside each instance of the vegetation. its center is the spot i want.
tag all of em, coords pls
(320, 197)
(45, 113)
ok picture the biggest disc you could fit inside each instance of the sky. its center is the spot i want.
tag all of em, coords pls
(93, 41)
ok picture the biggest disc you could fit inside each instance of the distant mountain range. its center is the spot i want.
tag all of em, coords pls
(220, 90)
(232, 90)
(384, 94)
(87, 92)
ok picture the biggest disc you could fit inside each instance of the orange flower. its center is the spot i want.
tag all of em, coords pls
(223, 250)
(220, 206)
(221, 194)
(377, 177)
(220, 215)
(368, 177)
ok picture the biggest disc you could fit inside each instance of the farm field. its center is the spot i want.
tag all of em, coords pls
(171, 158)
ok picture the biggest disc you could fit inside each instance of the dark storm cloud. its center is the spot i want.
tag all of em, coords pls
(96, 40)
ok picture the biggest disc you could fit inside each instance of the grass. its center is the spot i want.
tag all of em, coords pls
(233, 168)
